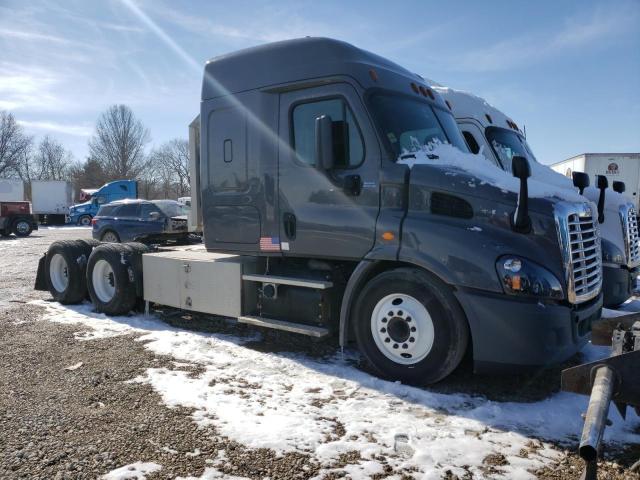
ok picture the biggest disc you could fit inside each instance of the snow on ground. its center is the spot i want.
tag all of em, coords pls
(326, 407)
(137, 471)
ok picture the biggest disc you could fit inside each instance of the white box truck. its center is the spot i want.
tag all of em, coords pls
(11, 190)
(624, 167)
(51, 200)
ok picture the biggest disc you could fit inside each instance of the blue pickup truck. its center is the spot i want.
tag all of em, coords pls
(82, 213)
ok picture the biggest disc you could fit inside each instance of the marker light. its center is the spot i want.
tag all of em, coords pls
(373, 74)
(523, 277)
(415, 88)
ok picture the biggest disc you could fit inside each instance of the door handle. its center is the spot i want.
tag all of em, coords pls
(289, 223)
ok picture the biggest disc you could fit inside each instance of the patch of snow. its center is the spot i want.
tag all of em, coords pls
(211, 473)
(133, 471)
(292, 402)
(474, 229)
(448, 157)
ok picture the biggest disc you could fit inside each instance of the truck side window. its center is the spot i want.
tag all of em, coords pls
(304, 128)
(471, 142)
(146, 209)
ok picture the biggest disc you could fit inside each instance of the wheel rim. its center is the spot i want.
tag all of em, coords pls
(59, 273)
(85, 221)
(402, 329)
(104, 281)
(110, 237)
(22, 227)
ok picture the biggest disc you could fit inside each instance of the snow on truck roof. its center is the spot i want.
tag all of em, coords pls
(468, 105)
(310, 58)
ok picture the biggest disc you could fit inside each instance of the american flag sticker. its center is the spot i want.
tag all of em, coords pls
(270, 244)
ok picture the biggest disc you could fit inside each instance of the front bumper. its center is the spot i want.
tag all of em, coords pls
(511, 334)
(618, 283)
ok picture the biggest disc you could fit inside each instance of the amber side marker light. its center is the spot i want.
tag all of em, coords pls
(388, 236)
(415, 88)
(488, 117)
(373, 74)
(430, 93)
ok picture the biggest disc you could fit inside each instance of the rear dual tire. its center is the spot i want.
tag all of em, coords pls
(410, 327)
(65, 268)
(112, 272)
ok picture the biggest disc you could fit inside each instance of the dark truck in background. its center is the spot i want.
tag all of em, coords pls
(312, 225)
(16, 218)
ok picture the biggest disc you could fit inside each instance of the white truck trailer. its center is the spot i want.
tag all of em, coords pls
(624, 167)
(51, 199)
(11, 190)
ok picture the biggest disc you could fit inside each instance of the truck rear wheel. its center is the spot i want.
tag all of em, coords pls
(109, 280)
(65, 271)
(410, 327)
(22, 228)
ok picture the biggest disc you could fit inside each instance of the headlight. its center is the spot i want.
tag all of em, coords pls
(611, 253)
(520, 276)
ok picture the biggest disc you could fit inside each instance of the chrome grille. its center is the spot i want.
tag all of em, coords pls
(629, 221)
(580, 242)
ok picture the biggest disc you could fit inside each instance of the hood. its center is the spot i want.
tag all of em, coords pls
(473, 175)
(80, 205)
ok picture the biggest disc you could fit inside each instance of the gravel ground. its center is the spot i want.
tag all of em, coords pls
(67, 410)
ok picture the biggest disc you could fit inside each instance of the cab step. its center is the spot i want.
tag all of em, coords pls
(293, 281)
(310, 330)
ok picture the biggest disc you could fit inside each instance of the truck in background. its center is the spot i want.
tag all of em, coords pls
(624, 167)
(16, 218)
(11, 190)
(486, 128)
(51, 200)
(315, 223)
(82, 213)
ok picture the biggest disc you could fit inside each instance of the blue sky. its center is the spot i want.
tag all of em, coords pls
(569, 71)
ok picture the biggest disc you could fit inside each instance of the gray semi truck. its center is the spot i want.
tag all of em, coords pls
(313, 225)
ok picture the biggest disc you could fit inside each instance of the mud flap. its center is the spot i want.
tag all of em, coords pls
(41, 280)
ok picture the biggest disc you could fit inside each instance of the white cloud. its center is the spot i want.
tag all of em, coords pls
(32, 36)
(76, 130)
(533, 47)
(23, 87)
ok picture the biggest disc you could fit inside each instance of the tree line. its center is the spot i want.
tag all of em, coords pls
(117, 151)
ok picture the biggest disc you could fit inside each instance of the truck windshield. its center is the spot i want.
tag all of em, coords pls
(408, 123)
(507, 144)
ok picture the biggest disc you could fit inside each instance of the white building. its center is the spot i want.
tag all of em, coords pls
(624, 167)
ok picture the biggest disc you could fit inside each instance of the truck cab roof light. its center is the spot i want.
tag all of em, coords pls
(423, 91)
(448, 104)
(488, 117)
(430, 93)
(415, 88)
(373, 74)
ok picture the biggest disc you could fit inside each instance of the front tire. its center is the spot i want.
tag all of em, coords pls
(84, 220)
(110, 236)
(410, 327)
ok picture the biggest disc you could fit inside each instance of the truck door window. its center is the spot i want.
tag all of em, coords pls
(408, 124)
(146, 209)
(471, 142)
(304, 130)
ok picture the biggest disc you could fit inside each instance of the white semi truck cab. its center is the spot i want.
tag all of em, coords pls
(332, 189)
(486, 128)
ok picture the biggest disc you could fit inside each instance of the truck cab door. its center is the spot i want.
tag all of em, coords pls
(327, 213)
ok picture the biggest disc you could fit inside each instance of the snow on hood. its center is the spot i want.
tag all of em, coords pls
(444, 155)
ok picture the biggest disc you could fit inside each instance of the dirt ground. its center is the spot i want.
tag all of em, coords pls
(61, 422)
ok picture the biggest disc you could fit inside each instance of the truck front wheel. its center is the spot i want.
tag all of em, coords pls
(410, 327)
(84, 220)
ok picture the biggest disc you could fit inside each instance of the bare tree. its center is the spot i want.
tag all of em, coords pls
(171, 161)
(51, 161)
(87, 175)
(118, 144)
(14, 145)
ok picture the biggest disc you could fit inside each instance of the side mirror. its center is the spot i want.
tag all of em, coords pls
(154, 215)
(580, 180)
(619, 186)
(521, 169)
(602, 184)
(324, 157)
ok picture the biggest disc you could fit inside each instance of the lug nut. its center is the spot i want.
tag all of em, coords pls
(412, 339)
(383, 330)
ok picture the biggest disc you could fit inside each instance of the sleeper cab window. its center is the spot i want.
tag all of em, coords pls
(471, 142)
(348, 151)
